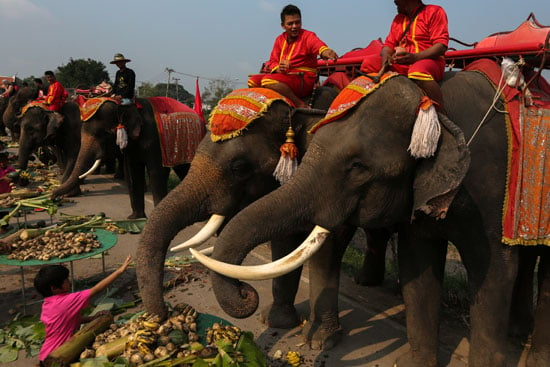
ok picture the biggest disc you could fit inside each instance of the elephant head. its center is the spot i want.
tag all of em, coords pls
(95, 134)
(224, 177)
(58, 132)
(13, 109)
(357, 170)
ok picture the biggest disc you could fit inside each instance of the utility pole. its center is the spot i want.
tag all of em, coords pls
(169, 71)
(177, 97)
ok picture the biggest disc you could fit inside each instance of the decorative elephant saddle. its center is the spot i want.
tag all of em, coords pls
(526, 212)
(349, 97)
(31, 104)
(180, 130)
(238, 109)
(89, 106)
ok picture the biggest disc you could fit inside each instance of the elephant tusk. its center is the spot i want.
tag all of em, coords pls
(207, 251)
(272, 270)
(214, 223)
(96, 164)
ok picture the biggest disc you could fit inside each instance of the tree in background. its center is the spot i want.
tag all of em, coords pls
(159, 90)
(216, 90)
(82, 73)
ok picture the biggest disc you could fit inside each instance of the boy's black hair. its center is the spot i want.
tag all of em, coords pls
(290, 10)
(38, 80)
(49, 72)
(50, 276)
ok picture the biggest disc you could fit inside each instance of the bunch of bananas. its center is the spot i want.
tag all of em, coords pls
(219, 332)
(293, 358)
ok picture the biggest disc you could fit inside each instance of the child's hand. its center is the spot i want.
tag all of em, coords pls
(126, 263)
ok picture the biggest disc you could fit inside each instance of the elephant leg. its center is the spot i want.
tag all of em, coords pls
(374, 264)
(421, 270)
(539, 354)
(492, 270)
(182, 170)
(521, 312)
(134, 172)
(282, 313)
(158, 182)
(323, 330)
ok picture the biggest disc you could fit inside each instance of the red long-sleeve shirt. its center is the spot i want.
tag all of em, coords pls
(56, 97)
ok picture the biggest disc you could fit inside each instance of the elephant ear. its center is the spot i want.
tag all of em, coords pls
(437, 179)
(54, 122)
(132, 120)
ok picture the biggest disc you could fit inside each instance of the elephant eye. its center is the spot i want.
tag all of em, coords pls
(241, 167)
(356, 164)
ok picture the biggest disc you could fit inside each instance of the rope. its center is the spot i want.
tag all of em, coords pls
(495, 99)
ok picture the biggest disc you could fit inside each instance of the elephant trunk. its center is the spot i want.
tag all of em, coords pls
(25, 150)
(271, 217)
(184, 205)
(88, 148)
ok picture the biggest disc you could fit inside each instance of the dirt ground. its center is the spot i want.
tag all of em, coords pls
(372, 318)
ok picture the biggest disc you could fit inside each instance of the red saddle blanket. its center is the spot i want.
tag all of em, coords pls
(526, 212)
(180, 130)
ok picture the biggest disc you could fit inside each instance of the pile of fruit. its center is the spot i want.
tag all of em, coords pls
(174, 342)
(53, 244)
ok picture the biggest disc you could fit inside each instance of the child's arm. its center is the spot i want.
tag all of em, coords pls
(111, 278)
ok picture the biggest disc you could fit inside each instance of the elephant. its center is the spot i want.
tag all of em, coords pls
(224, 177)
(366, 177)
(40, 128)
(143, 151)
(14, 107)
(3, 105)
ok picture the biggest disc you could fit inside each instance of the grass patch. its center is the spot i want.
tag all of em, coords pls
(173, 181)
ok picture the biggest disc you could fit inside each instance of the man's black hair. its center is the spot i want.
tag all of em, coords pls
(290, 10)
(49, 72)
(50, 276)
(38, 80)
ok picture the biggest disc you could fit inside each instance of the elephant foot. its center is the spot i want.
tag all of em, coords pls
(415, 359)
(135, 215)
(322, 335)
(281, 317)
(74, 192)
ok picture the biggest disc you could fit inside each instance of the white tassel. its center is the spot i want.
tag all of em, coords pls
(426, 131)
(285, 169)
(121, 137)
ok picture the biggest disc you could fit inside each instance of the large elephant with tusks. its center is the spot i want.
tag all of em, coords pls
(225, 176)
(358, 170)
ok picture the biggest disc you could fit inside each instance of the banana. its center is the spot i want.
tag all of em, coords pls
(293, 358)
(151, 325)
(144, 349)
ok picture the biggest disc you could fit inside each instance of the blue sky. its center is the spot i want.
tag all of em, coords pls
(212, 38)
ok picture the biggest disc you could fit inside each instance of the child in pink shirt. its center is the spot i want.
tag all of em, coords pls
(61, 309)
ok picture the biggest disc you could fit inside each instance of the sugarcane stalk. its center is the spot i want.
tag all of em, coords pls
(112, 349)
(69, 351)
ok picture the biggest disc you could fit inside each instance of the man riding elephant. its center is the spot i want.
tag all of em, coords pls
(415, 46)
(291, 69)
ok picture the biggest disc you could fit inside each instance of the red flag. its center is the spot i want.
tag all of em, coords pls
(198, 102)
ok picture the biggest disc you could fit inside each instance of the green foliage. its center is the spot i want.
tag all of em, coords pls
(82, 73)
(21, 333)
(159, 90)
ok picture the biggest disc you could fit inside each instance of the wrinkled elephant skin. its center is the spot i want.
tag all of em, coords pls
(367, 178)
